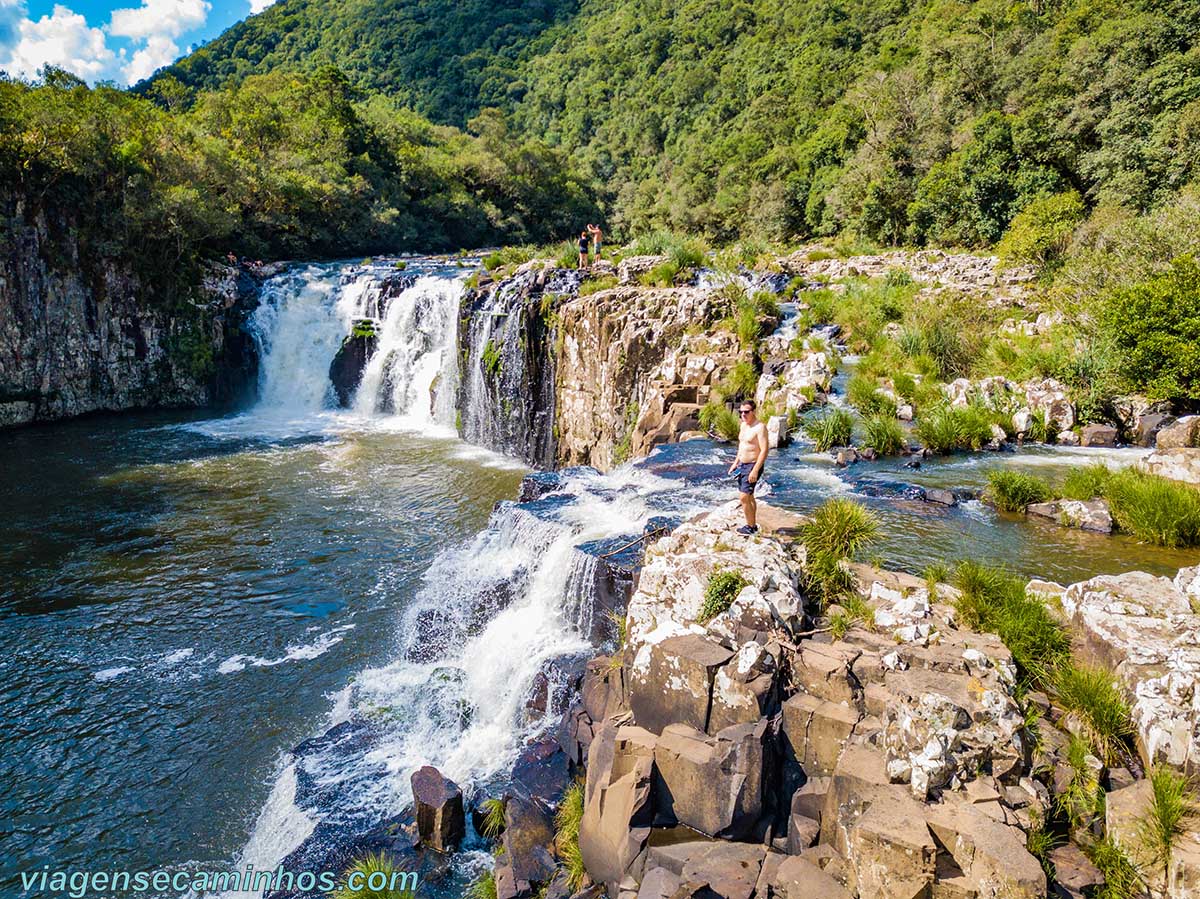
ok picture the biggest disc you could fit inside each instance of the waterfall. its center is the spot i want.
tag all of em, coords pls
(507, 394)
(307, 312)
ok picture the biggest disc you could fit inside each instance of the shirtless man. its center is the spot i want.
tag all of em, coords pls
(751, 454)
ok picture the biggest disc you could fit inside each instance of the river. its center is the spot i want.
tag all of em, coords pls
(186, 599)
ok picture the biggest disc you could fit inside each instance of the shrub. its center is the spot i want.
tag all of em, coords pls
(1040, 232)
(884, 434)
(566, 820)
(905, 384)
(994, 601)
(1172, 809)
(863, 394)
(950, 428)
(662, 275)
(508, 256)
(378, 864)
(821, 303)
(717, 418)
(1012, 491)
(1155, 327)
(834, 428)
(723, 588)
(1086, 482)
(742, 380)
(1153, 508)
(1092, 694)
(595, 285)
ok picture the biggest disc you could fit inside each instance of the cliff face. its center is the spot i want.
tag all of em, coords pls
(82, 334)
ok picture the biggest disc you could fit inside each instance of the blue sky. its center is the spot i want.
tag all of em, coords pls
(114, 40)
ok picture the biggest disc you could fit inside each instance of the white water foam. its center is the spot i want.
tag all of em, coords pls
(292, 653)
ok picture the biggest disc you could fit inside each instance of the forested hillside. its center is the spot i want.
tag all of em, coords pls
(913, 122)
(444, 59)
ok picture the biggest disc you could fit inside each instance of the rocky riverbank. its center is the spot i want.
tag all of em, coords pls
(874, 748)
(80, 334)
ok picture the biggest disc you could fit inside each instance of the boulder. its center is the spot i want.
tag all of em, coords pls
(1075, 877)
(438, 806)
(346, 369)
(991, 855)
(658, 883)
(744, 690)
(1185, 432)
(1089, 515)
(715, 870)
(1067, 438)
(1051, 397)
(815, 731)
(1180, 464)
(603, 688)
(800, 878)
(528, 841)
(618, 809)
(1098, 435)
(824, 671)
(1144, 629)
(1147, 426)
(777, 432)
(676, 682)
(712, 784)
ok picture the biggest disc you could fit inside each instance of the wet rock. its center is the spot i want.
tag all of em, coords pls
(528, 841)
(539, 483)
(674, 684)
(345, 371)
(617, 803)
(542, 771)
(1067, 438)
(1098, 435)
(438, 805)
(1147, 426)
(1185, 432)
(777, 432)
(1145, 629)
(1181, 464)
(553, 686)
(712, 784)
(1089, 515)
(940, 496)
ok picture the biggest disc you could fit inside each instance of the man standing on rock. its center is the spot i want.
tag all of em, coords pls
(751, 456)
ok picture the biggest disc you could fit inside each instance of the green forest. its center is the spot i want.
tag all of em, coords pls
(322, 128)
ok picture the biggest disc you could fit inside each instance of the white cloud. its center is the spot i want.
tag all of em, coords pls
(62, 39)
(159, 18)
(159, 51)
(257, 6)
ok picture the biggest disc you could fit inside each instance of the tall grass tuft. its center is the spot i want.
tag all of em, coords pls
(567, 820)
(946, 429)
(1154, 509)
(1122, 880)
(1093, 695)
(482, 887)
(884, 434)
(834, 428)
(839, 528)
(742, 380)
(863, 394)
(1172, 810)
(378, 863)
(992, 600)
(493, 817)
(720, 420)
(1012, 491)
(1081, 800)
(1086, 482)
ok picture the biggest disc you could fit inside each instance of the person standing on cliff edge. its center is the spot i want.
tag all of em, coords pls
(583, 249)
(748, 465)
(597, 240)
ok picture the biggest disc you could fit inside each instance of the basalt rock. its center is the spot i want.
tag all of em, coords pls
(438, 805)
(346, 369)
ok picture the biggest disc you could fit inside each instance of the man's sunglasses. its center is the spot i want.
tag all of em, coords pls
(744, 411)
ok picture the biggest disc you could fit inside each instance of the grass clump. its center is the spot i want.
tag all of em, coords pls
(719, 419)
(595, 285)
(992, 600)
(1092, 694)
(1082, 799)
(566, 820)
(839, 529)
(1154, 509)
(493, 817)
(1012, 491)
(1122, 880)
(482, 887)
(1172, 810)
(834, 428)
(949, 428)
(742, 380)
(723, 588)
(885, 435)
(380, 879)
(1086, 482)
(863, 394)
(493, 362)
(855, 610)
